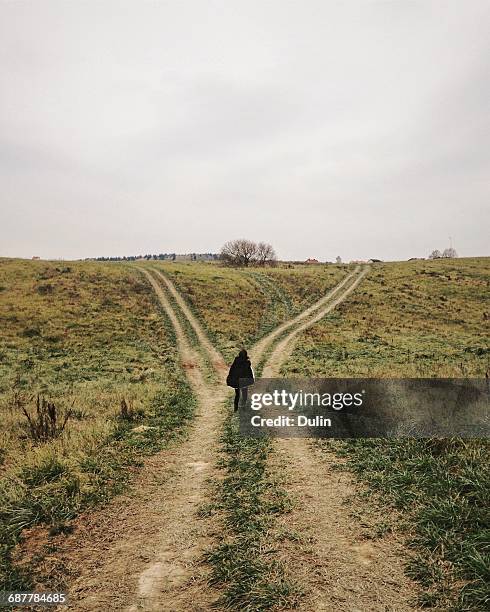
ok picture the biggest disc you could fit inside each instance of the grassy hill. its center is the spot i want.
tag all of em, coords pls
(89, 338)
(419, 319)
(237, 307)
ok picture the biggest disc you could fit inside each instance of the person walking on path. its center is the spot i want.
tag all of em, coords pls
(240, 377)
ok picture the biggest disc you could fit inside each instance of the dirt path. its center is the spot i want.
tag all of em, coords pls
(263, 344)
(340, 568)
(215, 357)
(146, 550)
(143, 551)
(309, 317)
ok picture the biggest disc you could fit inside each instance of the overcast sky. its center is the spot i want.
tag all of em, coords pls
(357, 128)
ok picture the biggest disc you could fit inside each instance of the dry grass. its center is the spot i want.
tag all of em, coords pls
(420, 319)
(237, 307)
(88, 337)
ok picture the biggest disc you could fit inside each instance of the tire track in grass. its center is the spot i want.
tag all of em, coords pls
(176, 579)
(152, 559)
(165, 551)
(339, 568)
(309, 317)
(210, 372)
(215, 357)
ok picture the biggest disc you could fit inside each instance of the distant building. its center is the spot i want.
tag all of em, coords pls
(311, 261)
(35, 257)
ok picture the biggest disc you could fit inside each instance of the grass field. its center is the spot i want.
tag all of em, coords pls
(90, 337)
(410, 319)
(85, 336)
(237, 307)
(420, 319)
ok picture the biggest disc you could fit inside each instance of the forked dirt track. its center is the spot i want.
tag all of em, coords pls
(264, 343)
(143, 552)
(315, 313)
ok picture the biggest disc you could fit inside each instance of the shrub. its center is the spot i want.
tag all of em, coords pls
(47, 421)
(45, 289)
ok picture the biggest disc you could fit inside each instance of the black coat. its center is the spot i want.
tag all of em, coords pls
(241, 373)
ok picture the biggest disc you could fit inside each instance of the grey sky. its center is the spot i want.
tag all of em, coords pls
(352, 128)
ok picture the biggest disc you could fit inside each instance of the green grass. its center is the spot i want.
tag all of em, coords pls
(249, 498)
(100, 337)
(442, 490)
(420, 319)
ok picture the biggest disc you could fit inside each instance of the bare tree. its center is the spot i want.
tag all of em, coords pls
(449, 253)
(245, 252)
(435, 254)
(238, 252)
(265, 254)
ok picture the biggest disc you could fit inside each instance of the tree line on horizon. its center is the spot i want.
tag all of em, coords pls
(446, 254)
(159, 257)
(240, 253)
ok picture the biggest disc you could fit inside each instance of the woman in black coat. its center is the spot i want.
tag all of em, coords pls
(240, 377)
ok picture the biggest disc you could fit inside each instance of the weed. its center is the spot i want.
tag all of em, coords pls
(47, 421)
(126, 412)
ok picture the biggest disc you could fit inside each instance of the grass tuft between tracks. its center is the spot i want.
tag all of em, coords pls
(250, 499)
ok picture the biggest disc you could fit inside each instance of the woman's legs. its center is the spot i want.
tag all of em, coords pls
(244, 394)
